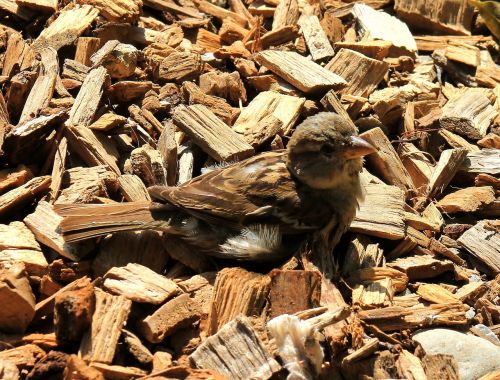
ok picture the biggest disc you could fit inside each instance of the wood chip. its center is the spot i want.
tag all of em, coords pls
(211, 134)
(111, 313)
(362, 74)
(381, 213)
(139, 284)
(482, 241)
(235, 351)
(297, 70)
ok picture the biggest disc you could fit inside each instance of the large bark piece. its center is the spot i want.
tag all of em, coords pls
(111, 313)
(67, 27)
(236, 351)
(237, 291)
(483, 242)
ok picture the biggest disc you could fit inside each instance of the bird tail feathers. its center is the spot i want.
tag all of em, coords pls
(85, 221)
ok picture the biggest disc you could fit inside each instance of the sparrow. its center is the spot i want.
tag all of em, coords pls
(255, 209)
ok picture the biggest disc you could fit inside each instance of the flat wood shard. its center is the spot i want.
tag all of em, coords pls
(211, 134)
(297, 70)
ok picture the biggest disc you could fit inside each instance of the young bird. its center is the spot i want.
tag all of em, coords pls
(251, 210)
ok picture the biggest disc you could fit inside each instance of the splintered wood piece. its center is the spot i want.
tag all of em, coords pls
(293, 291)
(12, 178)
(73, 310)
(25, 138)
(469, 114)
(436, 294)
(470, 199)
(235, 351)
(491, 140)
(111, 313)
(396, 318)
(118, 371)
(268, 105)
(139, 284)
(237, 291)
(43, 88)
(399, 280)
(286, 13)
(120, 60)
(146, 119)
(445, 16)
(86, 185)
(409, 366)
(127, 90)
(441, 366)
(417, 164)
(297, 70)
(376, 49)
(85, 48)
(483, 242)
(381, 213)
(24, 194)
(446, 168)
(167, 146)
(92, 147)
(463, 53)
(316, 38)
(18, 54)
(220, 13)
(382, 26)
(486, 161)
(208, 41)
(17, 299)
(76, 368)
(18, 91)
(61, 154)
(218, 106)
(126, 11)
(147, 163)
(132, 188)
(225, 85)
(362, 74)
(470, 292)
(420, 267)
(375, 293)
(420, 223)
(362, 253)
(180, 66)
(18, 244)
(108, 121)
(456, 141)
(67, 27)
(88, 98)
(170, 7)
(332, 103)
(24, 357)
(211, 134)
(386, 160)
(177, 313)
(45, 308)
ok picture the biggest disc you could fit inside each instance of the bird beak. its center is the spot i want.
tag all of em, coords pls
(359, 148)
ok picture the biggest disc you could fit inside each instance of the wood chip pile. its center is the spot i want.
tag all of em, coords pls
(103, 98)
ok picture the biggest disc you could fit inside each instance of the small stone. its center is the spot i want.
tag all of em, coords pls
(475, 356)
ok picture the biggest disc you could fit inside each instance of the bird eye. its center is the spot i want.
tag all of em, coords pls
(327, 150)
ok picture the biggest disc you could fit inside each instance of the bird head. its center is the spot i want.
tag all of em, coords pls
(325, 151)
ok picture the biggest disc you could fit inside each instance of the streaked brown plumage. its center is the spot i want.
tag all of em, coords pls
(252, 209)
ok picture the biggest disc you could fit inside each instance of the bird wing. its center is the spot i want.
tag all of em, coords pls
(257, 190)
